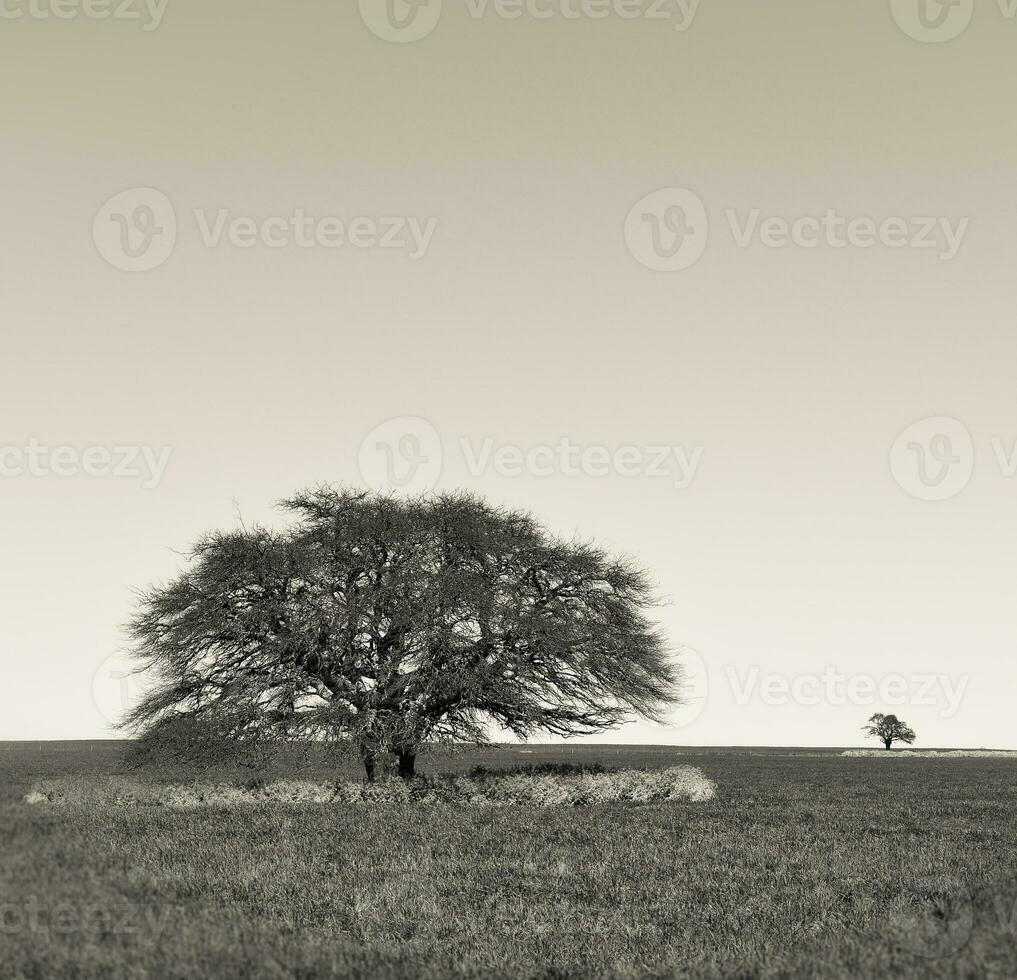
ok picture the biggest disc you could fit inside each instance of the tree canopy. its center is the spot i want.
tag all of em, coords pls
(390, 622)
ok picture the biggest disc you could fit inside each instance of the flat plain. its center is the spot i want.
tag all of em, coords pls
(806, 864)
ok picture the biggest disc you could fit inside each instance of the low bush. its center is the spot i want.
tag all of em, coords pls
(543, 786)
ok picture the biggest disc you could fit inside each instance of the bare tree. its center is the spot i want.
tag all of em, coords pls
(889, 729)
(391, 623)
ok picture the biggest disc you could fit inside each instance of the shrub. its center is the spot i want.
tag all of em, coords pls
(579, 786)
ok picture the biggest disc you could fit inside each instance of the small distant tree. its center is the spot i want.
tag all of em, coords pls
(889, 729)
(391, 623)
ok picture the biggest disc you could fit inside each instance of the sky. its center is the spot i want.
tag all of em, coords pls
(727, 287)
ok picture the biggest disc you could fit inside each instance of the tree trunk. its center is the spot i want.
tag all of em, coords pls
(368, 758)
(407, 763)
(887, 742)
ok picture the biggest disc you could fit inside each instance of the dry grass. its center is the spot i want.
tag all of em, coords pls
(804, 867)
(482, 788)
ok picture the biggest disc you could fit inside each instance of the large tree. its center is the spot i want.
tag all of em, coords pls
(391, 622)
(889, 729)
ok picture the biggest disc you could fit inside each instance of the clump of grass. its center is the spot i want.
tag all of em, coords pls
(564, 785)
(117, 791)
(549, 785)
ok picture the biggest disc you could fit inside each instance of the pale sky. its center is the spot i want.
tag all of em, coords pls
(514, 316)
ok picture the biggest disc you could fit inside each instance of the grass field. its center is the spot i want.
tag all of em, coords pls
(806, 864)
